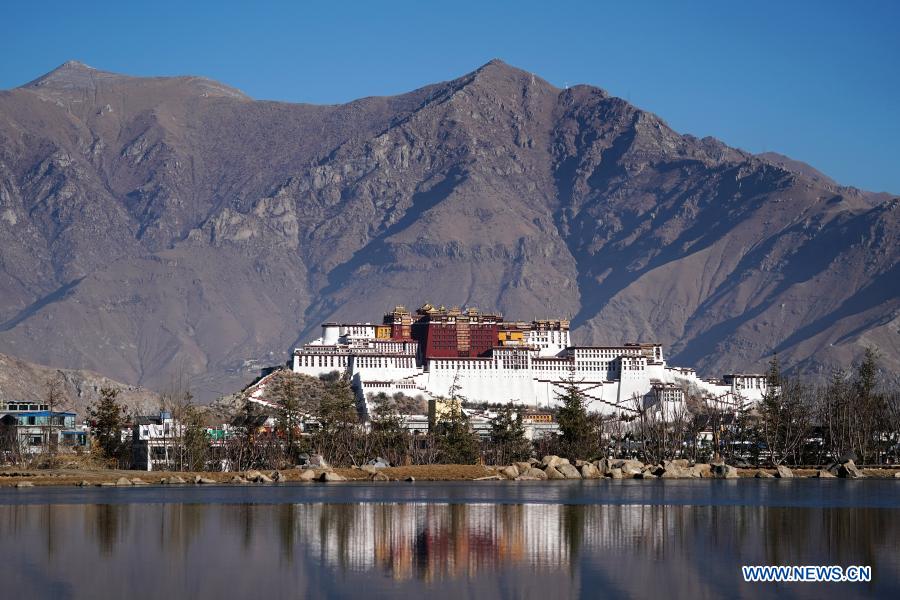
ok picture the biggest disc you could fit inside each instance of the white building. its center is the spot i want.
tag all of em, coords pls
(528, 365)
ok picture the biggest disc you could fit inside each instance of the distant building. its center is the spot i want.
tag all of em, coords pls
(154, 441)
(491, 360)
(37, 429)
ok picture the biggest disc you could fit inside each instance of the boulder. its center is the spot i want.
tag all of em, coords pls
(379, 463)
(263, 478)
(645, 474)
(138, 481)
(83, 483)
(534, 473)
(276, 476)
(176, 480)
(589, 471)
(331, 476)
(252, 475)
(602, 466)
(510, 472)
(782, 472)
(123, 481)
(673, 470)
(616, 473)
(203, 480)
(701, 470)
(552, 461)
(24, 484)
(760, 474)
(317, 461)
(849, 470)
(522, 466)
(723, 471)
(410, 479)
(580, 463)
(238, 479)
(569, 471)
(897, 475)
(825, 474)
(307, 475)
(630, 467)
(679, 462)
(379, 476)
(553, 473)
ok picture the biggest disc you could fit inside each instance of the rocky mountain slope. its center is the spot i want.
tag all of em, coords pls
(154, 225)
(22, 381)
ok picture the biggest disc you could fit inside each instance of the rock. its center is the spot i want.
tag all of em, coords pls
(723, 471)
(825, 474)
(760, 474)
(552, 461)
(632, 468)
(701, 470)
(252, 475)
(317, 461)
(176, 480)
(522, 466)
(849, 470)
(553, 473)
(534, 473)
(276, 476)
(24, 484)
(616, 473)
(138, 481)
(379, 463)
(410, 479)
(897, 475)
(331, 476)
(679, 462)
(673, 470)
(379, 476)
(123, 481)
(589, 471)
(307, 475)
(263, 478)
(83, 483)
(782, 472)
(203, 480)
(533, 462)
(238, 479)
(580, 463)
(510, 472)
(602, 466)
(569, 471)
(646, 474)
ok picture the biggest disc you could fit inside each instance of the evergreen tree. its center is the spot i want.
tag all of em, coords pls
(107, 419)
(456, 442)
(508, 437)
(578, 429)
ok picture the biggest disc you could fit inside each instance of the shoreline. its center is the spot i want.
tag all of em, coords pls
(108, 477)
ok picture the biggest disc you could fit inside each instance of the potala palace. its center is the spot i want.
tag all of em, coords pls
(491, 360)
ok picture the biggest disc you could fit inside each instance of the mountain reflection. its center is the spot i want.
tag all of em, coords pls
(513, 550)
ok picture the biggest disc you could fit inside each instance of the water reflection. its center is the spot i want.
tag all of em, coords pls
(444, 550)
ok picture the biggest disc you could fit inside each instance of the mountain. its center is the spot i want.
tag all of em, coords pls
(23, 381)
(160, 225)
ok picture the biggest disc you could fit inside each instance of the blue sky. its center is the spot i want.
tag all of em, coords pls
(816, 80)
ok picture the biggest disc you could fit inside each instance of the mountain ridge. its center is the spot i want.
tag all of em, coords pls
(171, 230)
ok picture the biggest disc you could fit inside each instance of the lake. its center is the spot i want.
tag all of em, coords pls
(631, 539)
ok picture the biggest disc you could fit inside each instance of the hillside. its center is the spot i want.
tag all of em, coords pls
(151, 225)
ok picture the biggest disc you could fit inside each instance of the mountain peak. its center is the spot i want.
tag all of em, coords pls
(72, 75)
